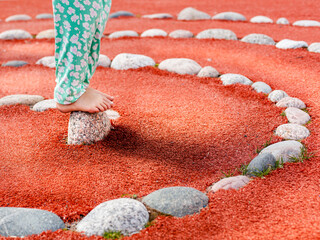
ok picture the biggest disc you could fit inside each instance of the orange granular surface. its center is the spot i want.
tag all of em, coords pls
(174, 130)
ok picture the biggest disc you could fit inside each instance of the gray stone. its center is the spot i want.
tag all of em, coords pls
(314, 47)
(277, 95)
(283, 21)
(18, 17)
(104, 61)
(258, 39)
(297, 116)
(126, 215)
(190, 13)
(292, 131)
(158, 16)
(261, 19)
(21, 222)
(180, 66)
(284, 150)
(231, 78)
(307, 23)
(154, 33)
(44, 105)
(217, 34)
(181, 34)
(261, 87)
(124, 61)
(291, 102)
(291, 44)
(112, 115)
(261, 163)
(15, 34)
(88, 128)
(235, 182)
(121, 14)
(50, 33)
(229, 16)
(208, 71)
(177, 201)
(125, 33)
(48, 61)
(15, 64)
(21, 99)
(44, 16)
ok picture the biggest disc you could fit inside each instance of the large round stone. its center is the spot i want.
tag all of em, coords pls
(22, 222)
(258, 39)
(277, 95)
(292, 131)
(21, 99)
(125, 33)
(261, 19)
(260, 164)
(88, 128)
(291, 44)
(231, 78)
(44, 105)
(283, 21)
(307, 23)
(50, 33)
(44, 16)
(295, 115)
(48, 61)
(104, 61)
(208, 71)
(190, 13)
(121, 14)
(217, 34)
(125, 61)
(18, 17)
(14, 64)
(284, 150)
(181, 34)
(158, 16)
(229, 16)
(314, 47)
(154, 33)
(126, 215)
(261, 87)
(291, 102)
(235, 182)
(180, 66)
(177, 201)
(15, 34)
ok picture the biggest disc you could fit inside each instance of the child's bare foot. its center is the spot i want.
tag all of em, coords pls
(91, 101)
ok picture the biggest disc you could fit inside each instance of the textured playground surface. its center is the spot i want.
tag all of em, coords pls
(174, 130)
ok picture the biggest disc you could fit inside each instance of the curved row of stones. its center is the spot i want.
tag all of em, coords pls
(224, 34)
(127, 215)
(187, 14)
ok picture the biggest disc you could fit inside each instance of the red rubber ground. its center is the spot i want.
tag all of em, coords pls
(174, 130)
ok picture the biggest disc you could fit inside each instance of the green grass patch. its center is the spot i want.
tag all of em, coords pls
(112, 235)
(304, 155)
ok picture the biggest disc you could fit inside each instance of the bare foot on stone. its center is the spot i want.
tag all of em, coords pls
(91, 101)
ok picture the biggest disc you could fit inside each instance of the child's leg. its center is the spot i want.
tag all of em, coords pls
(79, 25)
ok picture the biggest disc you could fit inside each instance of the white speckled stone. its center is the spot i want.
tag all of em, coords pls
(283, 21)
(297, 116)
(113, 115)
(21, 99)
(15, 64)
(181, 34)
(307, 23)
(261, 87)
(44, 105)
(229, 16)
(230, 183)
(126, 215)
(158, 16)
(44, 16)
(284, 150)
(18, 17)
(231, 78)
(208, 71)
(292, 131)
(217, 34)
(124, 61)
(256, 38)
(277, 95)
(48, 61)
(190, 13)
(180, 66)
(291, 102)
(291, 44)
(154, 33)
(261, 19)
(15, 34)
(104, 61)
(50, 33)
(88, 128)
(314, 47)
(125, 33)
